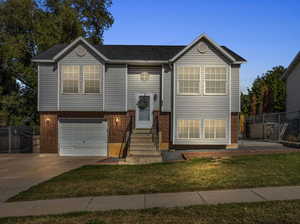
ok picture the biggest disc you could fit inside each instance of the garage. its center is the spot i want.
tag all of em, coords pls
(82, 137)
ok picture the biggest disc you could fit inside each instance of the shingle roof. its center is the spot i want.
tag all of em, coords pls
(131, 52)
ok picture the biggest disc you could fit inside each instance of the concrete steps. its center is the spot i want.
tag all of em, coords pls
(142, 150)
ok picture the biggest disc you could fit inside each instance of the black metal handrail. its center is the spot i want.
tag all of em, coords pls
(155, 132)
(126, 139)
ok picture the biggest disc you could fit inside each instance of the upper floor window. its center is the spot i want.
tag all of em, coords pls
(70, 78)
(188, 129)
(215, 129)
(215, 81)
(91, 77)
(188, 80)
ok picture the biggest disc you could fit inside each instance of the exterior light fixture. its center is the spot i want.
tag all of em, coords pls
(144, 76)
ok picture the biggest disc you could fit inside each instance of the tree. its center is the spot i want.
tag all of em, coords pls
(28, 27)
(267, 93)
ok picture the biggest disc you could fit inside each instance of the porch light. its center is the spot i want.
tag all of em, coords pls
(117, 119)
(144, 76)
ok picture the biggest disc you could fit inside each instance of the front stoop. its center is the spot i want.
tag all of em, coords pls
(142, 150)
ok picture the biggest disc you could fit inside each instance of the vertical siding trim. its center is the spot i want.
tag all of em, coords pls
(126, 88)
(162, 88)
(38, 93)
(58, 86)
(103, 87)
(174, 106)
(230, 95)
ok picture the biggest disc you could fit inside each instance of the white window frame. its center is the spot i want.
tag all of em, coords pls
(62, 79)
(83, 79)
(177, 121)
(204, 80)
(177, 81)
(215, 135)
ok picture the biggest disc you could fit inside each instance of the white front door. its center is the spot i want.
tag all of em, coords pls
(144, 110)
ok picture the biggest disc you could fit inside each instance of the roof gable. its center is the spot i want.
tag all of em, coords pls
(132, 53)
(210, 41)
(291, 67)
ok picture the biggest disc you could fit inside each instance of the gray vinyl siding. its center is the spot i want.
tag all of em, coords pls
(135, 85)
(192, 56)
(115, 88)
(81, 101)
(167, 89)
(47, 89)
(292, 90)
(235, 88)
(202, 106)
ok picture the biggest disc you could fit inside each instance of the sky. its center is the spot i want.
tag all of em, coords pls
(265, 32)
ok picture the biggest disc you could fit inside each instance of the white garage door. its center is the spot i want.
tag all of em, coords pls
(82, 137)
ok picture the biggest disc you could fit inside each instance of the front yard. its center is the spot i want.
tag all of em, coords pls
(263, 213)
(198, 174)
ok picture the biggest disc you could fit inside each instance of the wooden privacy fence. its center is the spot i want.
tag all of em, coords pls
(16, 139)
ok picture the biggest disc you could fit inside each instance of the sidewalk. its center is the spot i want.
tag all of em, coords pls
(142, 201)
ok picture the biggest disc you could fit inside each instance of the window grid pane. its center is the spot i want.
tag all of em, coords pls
(188, 80)
(188, 129)
(215, 129)
(91, 74)
(215, 80)
(70, 77)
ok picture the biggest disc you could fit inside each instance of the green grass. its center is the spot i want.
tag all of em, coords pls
(199, 174)
(279, 212)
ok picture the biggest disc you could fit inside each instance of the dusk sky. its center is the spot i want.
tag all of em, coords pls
(265, 32)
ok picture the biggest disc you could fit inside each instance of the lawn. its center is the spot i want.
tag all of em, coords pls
(198, 174)
(252, 213)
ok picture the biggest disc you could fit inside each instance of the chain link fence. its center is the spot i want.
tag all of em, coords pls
(16, 139)
(273, 126)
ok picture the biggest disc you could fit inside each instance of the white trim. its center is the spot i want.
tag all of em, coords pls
(38, 92)
(226, 79)
(42, 60)
(230, 107)
(126, 88)
(138, 62)
(188, 138)
(174, 103)
(58, 86)
(103, 87)
(75, 42)
(216, 119)
(138, 123)
(197, 40)
(162, 87)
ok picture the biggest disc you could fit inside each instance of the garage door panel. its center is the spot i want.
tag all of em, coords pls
(83, 139)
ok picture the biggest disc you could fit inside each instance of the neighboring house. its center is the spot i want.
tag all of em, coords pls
(292, 78)
(87, 95)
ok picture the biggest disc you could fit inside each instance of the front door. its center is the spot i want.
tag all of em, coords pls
(144, 110)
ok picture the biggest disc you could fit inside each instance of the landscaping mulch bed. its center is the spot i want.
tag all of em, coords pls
(229, 153)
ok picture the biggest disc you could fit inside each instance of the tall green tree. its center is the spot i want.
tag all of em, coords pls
(267, 93)
(28, 27)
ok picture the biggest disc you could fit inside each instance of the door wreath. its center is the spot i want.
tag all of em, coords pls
(142, 103)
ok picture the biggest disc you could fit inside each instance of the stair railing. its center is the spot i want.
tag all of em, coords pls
(155, 132)
(126, 139)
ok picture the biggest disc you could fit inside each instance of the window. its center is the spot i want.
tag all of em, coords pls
(188, 80)
(70, 78)
(91, 74)
(215, 129)
(215, 81)
(188, 128)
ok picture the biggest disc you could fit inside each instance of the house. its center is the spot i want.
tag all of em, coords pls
(88, 95)
(292, 78)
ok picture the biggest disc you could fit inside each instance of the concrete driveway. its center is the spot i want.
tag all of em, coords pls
(18, 172)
